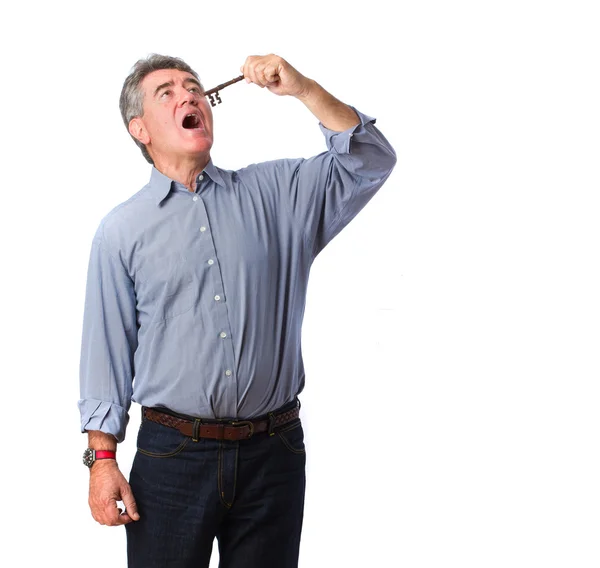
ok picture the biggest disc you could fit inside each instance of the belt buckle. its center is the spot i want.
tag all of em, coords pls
(244, 423)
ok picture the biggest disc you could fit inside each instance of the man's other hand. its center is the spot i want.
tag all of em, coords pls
(107, 487)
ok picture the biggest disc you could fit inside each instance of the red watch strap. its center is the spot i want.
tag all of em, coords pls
(105, 454)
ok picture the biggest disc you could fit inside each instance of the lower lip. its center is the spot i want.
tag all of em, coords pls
(197, 129)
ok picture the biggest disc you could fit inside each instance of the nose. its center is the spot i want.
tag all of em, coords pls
(186, 97)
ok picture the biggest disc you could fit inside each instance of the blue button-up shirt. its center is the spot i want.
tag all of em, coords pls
(195, 300)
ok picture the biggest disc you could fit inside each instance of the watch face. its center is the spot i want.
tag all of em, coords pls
(88, 457)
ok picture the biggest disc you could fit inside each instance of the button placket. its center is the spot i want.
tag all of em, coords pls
(219, 313)
(205, 258)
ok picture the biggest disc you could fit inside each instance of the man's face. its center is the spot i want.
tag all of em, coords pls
(177, 120)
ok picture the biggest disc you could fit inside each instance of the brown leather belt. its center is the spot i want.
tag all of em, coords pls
(231, 430)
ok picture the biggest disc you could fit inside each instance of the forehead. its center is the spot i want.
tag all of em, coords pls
(152, 80)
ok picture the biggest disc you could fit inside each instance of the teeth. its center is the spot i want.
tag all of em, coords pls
(191, 120)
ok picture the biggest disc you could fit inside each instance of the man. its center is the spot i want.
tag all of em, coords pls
(194, 303)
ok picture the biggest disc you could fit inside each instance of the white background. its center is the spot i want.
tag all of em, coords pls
(453, 326)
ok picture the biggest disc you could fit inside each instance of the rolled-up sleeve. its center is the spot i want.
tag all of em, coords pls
(109, 341)
(328, 190)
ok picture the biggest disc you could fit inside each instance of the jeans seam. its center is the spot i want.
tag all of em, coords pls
(167, 455)
(288, 446)
(286, 429)
(237, 449)
(220, 478)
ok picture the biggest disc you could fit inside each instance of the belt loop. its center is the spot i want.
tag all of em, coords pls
(271, 423)
(196, 429)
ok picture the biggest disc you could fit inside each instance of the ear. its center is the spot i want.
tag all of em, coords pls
(138, 130)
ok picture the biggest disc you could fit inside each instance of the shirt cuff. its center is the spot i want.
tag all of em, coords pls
(339, 142)
(107, 417)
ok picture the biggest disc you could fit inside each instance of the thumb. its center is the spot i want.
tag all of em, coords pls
(129, 502)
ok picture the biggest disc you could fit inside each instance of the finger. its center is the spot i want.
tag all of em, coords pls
(110, 514)
(129, 502)
(260, 73)
(98, 514)
(251, 74)
(252, 68)
(123, 519)
(271, 74)
(246, 68)
(114, 516)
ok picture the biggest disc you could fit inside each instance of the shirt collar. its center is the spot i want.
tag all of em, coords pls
(161, 185)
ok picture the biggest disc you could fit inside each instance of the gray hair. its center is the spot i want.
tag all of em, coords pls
(131, 102)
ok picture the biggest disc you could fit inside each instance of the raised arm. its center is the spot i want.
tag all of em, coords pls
(327, 191)
(277, 75)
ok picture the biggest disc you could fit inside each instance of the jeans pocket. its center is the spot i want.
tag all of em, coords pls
(292, 437)
(158, 441)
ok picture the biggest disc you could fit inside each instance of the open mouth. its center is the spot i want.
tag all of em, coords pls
(191, 121)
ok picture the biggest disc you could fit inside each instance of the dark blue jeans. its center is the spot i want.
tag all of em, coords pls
(248, 494)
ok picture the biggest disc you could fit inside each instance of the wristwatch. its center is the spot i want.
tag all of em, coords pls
(90, 456)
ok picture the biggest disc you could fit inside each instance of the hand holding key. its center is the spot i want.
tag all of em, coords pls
(269, 71)
(277, 75)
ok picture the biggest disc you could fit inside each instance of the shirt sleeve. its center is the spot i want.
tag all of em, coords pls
(109, 340)
(328, 190)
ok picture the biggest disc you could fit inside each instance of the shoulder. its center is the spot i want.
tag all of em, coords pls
(124, 219)
(262, 171)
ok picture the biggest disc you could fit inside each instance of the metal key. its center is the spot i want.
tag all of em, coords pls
(213, 94)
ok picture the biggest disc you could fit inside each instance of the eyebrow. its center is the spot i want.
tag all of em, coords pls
(171, 83)
(192, 80)
(162, 86)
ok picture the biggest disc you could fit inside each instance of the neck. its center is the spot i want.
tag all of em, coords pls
(182, 170)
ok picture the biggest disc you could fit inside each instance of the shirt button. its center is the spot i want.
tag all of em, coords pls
(200, 177)
(202, 229)
(217, 297)
(223, 335)
(211, 261)
(195, 198)
(228, 372)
